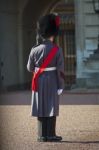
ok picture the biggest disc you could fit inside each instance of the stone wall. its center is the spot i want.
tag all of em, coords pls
(8, 42)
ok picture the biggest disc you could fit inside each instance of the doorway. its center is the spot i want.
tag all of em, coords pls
(66, 39)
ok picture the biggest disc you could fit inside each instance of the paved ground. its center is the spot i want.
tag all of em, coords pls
(77, 124)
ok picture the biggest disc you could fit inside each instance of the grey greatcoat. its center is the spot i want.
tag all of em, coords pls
(45, 102)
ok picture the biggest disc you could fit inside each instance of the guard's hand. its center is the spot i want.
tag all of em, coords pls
(59, 91)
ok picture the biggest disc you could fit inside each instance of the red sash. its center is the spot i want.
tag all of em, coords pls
(43, 66)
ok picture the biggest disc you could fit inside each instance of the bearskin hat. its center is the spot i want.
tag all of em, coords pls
(48, 25)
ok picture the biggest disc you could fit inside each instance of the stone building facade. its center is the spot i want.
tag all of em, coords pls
(18, 34)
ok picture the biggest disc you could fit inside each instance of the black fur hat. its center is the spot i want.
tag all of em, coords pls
(48, 25)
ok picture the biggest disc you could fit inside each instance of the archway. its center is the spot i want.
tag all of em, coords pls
(66, 39)
(30, 15)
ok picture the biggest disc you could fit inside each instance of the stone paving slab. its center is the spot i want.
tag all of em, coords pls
(77, 124)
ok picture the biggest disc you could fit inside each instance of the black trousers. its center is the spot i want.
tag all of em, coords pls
(46, 126)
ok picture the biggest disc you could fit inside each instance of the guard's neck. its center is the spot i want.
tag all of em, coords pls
(51, 38)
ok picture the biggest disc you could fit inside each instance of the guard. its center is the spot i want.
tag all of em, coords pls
(47, 64)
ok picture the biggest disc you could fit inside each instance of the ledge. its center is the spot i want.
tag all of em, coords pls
(67, 98)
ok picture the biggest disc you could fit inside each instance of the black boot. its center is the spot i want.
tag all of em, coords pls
(54, 138)
(42, 129)
(51, 130)
(41, 139)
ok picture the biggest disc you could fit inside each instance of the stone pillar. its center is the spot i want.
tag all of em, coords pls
(20, 50)
(21, 5)
(79, 23)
